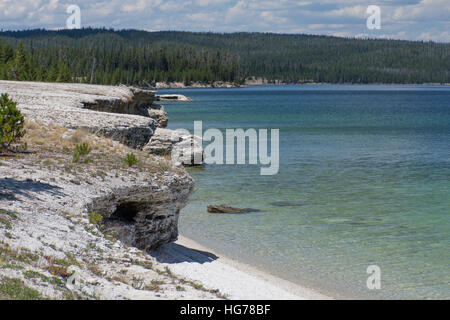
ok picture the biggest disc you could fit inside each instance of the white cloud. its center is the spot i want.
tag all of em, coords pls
(406, 19)
(140, 5)
(425, 10)
(210, 3)
(271, 17)
(358, 12)
(434, 35)
(239, 12)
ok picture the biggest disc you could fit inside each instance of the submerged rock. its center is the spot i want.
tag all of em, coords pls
(227, 209)
(287, 204)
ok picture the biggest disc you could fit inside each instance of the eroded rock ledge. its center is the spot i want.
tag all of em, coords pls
(144, 215)
(47, 199)
(124, 115)
(49, 219)
(139, 205)
(143, 212)
(127, 115)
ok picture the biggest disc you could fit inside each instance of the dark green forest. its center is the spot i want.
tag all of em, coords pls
(104, 56)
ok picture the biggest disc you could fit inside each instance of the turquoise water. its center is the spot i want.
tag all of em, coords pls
(365, 170)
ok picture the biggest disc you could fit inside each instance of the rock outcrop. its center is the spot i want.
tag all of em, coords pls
(93, 213)
(159, 115)
(140, 205)
(173, 97)
(144, 215)
(124, 114)
(151, 206)
(49, 209)
(137, 101)
(184, 148)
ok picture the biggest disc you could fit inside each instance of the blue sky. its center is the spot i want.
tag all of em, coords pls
(402, 19)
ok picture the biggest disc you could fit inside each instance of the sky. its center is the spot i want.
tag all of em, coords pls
(402, 19)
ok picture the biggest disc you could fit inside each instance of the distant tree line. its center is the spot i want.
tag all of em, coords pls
(114, 66)
(105, 56)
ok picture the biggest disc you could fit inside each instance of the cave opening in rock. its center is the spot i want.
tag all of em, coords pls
(126, 212)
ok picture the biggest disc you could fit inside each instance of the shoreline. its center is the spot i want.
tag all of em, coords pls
(300, 84)
(234, 279)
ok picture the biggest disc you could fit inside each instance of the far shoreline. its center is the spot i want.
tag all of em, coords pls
(171, 86)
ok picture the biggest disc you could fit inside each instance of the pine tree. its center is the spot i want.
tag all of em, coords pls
(21, 64)
(52, 73)
(6, 53)
(63, 73)
(11, 123)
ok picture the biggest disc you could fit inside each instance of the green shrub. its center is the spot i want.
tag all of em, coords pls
(82, 149)
(95, 218)
(11, 122)
(131, 159)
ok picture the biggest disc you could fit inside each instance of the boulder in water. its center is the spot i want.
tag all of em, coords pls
(227, 209)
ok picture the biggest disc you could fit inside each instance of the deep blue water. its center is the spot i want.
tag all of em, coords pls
(366, 169)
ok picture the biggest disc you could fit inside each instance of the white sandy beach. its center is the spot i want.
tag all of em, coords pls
(191, 260)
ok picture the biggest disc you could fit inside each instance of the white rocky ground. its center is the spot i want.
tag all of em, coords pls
(83, 106)
(47, 222)
(125, 114)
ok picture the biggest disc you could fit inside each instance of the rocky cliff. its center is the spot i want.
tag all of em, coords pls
(120, 113)
(144, 210)
(125, 114)
(56, 208)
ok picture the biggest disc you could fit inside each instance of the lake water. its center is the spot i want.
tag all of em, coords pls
(364, 177)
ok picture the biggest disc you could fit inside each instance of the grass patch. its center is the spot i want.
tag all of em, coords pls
(11, 266)
(9, 213)
(30, 274)
(5, 223)
(16, 289)
(70, 260)
(25, 256)
(197, 286)
(146, 264)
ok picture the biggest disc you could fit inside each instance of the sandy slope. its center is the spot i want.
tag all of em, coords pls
(189, 259)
